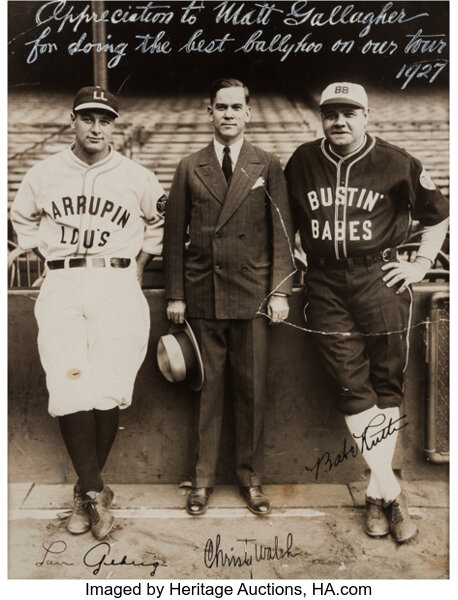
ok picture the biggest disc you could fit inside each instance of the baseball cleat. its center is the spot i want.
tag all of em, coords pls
(98, 505)
(376, 522)
(79, 521)
(402, 526)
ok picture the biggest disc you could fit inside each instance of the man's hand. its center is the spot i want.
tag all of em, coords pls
(176, 310)
(278, 308)
(140, 268)
(39, 281)
(406, 272)
(142, 260)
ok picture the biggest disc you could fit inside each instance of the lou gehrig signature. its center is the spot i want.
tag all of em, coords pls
(96, 557)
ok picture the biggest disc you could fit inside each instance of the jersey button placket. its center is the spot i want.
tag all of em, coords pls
(342, 209)
(86, 218)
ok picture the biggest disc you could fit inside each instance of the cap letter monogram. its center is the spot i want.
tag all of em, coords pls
(99, 95)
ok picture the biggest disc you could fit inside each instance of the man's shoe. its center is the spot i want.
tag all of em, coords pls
(197, 502)
(256, 501)
(376, 523)
(402, 526)
(79, 521)
(98, 505)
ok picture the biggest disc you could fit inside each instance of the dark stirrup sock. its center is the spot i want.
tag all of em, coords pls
(79, 431)
(107, 428)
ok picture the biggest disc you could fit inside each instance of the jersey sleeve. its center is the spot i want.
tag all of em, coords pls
(25, 213)
(153, 209)
(429, 206)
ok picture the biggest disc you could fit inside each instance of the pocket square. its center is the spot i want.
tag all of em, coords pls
(258, 183)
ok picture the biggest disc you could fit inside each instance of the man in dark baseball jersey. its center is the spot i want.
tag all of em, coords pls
(232, 198)
(353, 197)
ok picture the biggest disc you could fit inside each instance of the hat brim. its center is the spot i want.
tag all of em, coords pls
(197, 381)
(343, 101)
(97, 106)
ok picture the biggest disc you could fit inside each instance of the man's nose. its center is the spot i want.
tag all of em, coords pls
(340, 119)
(96, 127)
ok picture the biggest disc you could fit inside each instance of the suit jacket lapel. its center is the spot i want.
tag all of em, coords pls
(246, 172)
(210, 173)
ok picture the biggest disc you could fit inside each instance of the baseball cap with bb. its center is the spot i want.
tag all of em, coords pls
(344, 92)
(95, 97)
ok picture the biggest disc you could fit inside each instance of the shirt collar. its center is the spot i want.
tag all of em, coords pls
(84, 164)
(345, 156)
(235, 150)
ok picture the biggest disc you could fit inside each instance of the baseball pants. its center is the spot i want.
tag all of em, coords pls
(93, 332)
(364, 329)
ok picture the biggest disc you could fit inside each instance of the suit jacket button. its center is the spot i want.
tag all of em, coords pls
(217, 267)
(242, 236)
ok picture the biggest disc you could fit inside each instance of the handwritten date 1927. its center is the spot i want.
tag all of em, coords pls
(420, 70)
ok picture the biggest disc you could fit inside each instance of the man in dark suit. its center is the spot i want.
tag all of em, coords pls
(231, 199)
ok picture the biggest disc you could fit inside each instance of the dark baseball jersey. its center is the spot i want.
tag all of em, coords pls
(358, 204)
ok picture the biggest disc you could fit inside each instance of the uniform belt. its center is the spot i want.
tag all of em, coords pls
(96, 261)
(387, 255)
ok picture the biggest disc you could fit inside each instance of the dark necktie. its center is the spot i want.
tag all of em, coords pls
(227, 163)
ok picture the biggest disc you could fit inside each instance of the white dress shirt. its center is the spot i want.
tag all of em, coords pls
(234, 154)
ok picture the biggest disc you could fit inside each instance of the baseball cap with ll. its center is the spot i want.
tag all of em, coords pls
(344, 92)
(96, 97)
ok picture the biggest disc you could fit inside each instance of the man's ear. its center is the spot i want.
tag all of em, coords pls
(210, 112)
(73, 118)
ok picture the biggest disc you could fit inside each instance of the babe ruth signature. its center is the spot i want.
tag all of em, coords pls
(96, 557)
(369, 439)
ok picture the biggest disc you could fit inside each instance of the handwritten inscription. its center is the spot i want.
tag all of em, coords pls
(279, 32)
(197, 43)
(63, 13)
(52, 550)
(327, 462)
(376, 431)
(253, 551)
(153, 44)
(97, 557)
(281, 44)
(345, 15)
(39, 46)
(429, 71)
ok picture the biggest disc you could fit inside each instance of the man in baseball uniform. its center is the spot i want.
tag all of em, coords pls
(95, 218)
(231, 197)
(353, 197)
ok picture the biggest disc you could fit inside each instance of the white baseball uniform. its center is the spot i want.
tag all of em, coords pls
(93, 319)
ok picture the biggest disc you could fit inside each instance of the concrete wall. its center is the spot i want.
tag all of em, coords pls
(154, 441)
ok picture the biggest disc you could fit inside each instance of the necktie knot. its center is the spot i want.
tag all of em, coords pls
(227, 163)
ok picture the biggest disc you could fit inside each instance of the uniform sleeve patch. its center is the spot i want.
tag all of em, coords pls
(161, 205)
(426, 181)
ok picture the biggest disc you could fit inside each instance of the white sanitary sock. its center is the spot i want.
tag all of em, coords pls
(376, 440)
(373, 489)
